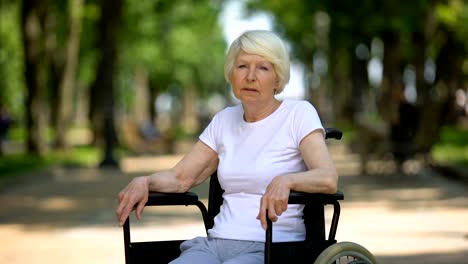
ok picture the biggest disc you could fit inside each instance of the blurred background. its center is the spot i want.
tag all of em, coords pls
(90, 81)
(110, 84)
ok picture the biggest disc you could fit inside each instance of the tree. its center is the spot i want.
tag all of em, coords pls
(66, 86)
(34, 32)
(447, 22)
(11, 59)
(413, 33)
(175, 48)
(102, 90)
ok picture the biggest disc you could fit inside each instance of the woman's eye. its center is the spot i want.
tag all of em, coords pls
(241, 66)
(265, 68)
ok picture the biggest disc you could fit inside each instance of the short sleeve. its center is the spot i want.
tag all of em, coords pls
(209, 136)
(306, 120)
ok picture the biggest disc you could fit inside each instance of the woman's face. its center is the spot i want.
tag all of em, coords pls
(253, 78)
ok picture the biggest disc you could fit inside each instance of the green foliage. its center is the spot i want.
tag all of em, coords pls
(413, 32)
(11, 58)
(176, 42)
(17, 133)
(14, 164)
(452, 146)
(88, 52)
(179, 133)
(454, 15)
(454, 136)
(351, 23)
(294, 20)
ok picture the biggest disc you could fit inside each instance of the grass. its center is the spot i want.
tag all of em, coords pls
(80, 155)
(18, 163)
(452, 147)
(13, 164)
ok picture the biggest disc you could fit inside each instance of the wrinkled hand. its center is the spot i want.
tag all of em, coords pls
(275, 200)
(135, 194)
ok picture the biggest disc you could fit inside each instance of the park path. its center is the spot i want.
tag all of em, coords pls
(66, 215)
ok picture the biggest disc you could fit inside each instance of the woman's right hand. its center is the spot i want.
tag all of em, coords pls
(135, 194)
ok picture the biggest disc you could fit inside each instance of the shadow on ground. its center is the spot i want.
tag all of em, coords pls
(405, 192)
(70, 197)
(454, 257)
(386, 212)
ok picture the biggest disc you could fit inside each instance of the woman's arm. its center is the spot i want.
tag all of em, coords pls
(194, 168)
(321, 177)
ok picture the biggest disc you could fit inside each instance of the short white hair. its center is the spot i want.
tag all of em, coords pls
(263, 43)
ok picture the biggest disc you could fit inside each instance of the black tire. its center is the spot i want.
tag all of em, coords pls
(345, 252)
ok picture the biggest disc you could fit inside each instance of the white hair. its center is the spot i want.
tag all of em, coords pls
(263, 43)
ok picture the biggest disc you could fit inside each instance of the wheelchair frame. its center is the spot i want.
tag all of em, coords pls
(275, 252)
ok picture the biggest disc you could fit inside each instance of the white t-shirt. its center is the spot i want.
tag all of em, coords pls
(250, 156)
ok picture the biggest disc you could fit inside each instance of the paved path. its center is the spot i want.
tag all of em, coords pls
(66, 215)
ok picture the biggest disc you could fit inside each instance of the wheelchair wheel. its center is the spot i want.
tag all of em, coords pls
(345, 252)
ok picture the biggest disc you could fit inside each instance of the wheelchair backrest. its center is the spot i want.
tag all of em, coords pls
(215, 197)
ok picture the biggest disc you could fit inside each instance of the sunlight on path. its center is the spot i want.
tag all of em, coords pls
(67, 216)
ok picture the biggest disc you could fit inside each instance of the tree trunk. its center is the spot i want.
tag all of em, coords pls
(439, 110)
(142, 99)
(342, 88)
(188, 121)
(102, 90)
(392, 81)
(189, 115)
(55, 64)
(426, 127)
(154, 93)
(33, 17)
(66, 87)
(360, 82)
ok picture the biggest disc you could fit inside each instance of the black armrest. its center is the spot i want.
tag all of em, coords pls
(334, 133)
(190, 198)
(309, 199)
(157, 198)
(187, 198)
(304, 198)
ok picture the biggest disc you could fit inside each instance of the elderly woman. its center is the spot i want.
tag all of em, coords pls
(262, 148)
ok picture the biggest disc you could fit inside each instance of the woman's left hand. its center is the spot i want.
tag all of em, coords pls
(275, 200)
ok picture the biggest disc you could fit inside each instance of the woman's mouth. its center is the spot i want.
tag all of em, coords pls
(249, 89)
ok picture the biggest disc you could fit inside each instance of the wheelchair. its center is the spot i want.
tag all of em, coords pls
(316, 248)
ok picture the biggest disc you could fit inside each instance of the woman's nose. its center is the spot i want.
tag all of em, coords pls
(251, 75)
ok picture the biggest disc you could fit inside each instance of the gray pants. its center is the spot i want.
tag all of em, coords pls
(208, 250)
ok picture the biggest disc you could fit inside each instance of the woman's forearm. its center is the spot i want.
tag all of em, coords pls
(314, 181)
(192, 170)
(166, 181)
